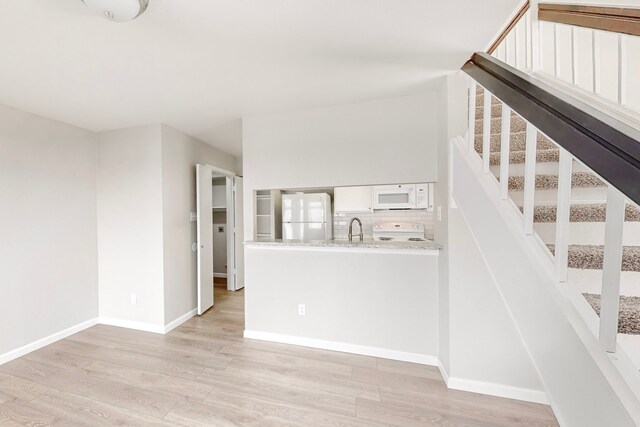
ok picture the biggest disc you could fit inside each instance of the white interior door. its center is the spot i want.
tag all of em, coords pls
(238, 228)
(204, 204)
(231, 262)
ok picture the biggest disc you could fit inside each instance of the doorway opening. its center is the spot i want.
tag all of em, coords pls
(219, 233)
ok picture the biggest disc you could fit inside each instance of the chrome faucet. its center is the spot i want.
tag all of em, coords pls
(351, 229)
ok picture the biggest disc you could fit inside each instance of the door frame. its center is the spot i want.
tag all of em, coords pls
(231, 241)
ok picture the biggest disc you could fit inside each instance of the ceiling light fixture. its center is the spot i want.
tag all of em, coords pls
(118, 10)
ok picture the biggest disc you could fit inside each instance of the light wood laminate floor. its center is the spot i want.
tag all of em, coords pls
(205, 374)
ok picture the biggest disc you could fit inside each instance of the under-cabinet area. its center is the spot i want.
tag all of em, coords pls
(388, 212)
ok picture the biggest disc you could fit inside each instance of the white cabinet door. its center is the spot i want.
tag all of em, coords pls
(353, 199)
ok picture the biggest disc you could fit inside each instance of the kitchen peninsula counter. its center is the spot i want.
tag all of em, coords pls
(426, 246)
(375, 298)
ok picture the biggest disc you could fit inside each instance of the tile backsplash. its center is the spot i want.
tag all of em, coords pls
(341, 221)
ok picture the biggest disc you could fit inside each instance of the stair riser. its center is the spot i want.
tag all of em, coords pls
(590, 281)
(587, 233)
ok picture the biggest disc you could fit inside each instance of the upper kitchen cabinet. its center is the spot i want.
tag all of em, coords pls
(353, 199)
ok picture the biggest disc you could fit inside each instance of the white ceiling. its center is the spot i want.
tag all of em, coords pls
(201, 65)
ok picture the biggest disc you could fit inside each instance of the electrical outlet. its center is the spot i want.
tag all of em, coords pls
(134, 299)
(301, 310)
(193, 216)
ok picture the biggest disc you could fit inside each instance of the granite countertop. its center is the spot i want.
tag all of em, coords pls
(427, 245)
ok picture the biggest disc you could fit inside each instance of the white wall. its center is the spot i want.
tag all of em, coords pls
(48, 259)
(480, 324)
(479, 344)
(130, 244)
(377, 142)
(180, 154)
(385, 300)
(441, 227)
(584, 387)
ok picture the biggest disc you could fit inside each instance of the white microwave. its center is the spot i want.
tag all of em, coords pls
(403, 196)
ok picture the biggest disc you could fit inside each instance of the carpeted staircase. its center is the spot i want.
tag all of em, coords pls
(587, 212)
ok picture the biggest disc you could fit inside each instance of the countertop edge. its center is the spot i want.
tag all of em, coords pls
(426, 248)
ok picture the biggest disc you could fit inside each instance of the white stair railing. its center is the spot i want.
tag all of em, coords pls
(595, 63)
(615, 207)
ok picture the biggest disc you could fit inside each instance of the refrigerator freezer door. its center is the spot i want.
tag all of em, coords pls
(306, 207)
(305, 231)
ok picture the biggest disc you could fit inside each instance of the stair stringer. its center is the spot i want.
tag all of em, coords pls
(583, 385)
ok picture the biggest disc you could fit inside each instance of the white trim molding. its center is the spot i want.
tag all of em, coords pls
(130, 324)
(140, 326)
(28, 348)
(382, 353)
(492, 389)
(180, 320)
(499, 390)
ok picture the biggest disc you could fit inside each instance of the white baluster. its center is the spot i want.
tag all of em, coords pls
(563, 208)
(530, 177)
(486, 131)
(516, 43)
(595, 43)
(472, 114)
(622, 70)
(574, 56)
(528, 41)
(536, 37)
(555, 50)
(504, 151)
(612, 265)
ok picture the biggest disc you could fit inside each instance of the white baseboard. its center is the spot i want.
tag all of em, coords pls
(130, 324)
(180, 320)
(499, 390)
(26, 349)
(382, 353)
(219, 274)
(140, 326)
(443, 372)
(481, 387)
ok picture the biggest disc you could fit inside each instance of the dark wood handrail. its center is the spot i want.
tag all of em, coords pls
(609, 147)
(624, 20)
(525, 7)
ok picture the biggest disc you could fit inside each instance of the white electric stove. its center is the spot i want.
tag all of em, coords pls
(398, 231)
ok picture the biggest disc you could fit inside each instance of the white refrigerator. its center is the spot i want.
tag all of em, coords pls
(307, 217)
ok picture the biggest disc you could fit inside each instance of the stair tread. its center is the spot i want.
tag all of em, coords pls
(517, 142)
(518, 157)
(517, 124)
(628, 315)
(582, 212)
(550, 181)
(590, 257)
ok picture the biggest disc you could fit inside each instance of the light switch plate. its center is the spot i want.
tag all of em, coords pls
(439, 213)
